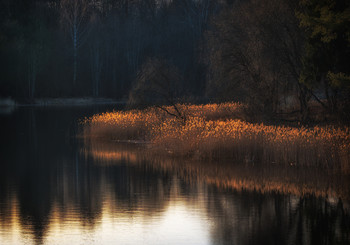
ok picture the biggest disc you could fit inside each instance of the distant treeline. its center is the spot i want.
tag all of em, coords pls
(96, 48)
(271, 54)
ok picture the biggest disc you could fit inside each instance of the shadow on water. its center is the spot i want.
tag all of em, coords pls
(57, 189)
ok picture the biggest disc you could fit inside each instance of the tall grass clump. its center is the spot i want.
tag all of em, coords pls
(256, 143)
(214, 132)
(121, 125)
(142, 124)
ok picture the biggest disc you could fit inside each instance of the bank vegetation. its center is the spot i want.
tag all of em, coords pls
(220, 131)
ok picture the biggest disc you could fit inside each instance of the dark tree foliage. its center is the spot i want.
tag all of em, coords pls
(327, 51)
(275, 54)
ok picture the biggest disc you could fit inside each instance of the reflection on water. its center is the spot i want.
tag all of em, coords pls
(328, 183)
(57, 189)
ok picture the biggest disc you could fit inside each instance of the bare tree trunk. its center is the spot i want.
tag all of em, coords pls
(32, 72)
(75, 56)
(75, 17)
(303, 101)
(96, 67)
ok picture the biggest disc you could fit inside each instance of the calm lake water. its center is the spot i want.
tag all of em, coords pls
(56, 188)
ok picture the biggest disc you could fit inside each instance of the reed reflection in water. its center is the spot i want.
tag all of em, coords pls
(56, 189)
(253, 199)
(300, 181)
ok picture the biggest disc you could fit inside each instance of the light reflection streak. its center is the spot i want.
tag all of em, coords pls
(132, 197)
(178, 221)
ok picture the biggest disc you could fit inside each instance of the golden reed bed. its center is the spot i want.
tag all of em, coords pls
(213, 132)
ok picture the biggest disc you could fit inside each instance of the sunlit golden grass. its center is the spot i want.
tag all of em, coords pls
(214, 132)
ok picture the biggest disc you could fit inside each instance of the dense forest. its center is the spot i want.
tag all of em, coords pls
(267, 54)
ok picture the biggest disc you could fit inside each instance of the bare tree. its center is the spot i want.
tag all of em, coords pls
(254, 53)
(33, 68)
(75, 15)
(134, 44)
(197, 15)
(96, 65)
(158, 84)
(36, 55)
(96, 54)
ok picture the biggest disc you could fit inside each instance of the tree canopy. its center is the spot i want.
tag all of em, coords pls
(327, 48)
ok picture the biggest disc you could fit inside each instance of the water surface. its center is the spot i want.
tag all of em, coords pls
(56, 188)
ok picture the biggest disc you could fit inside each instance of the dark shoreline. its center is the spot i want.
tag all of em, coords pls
(48, 102)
